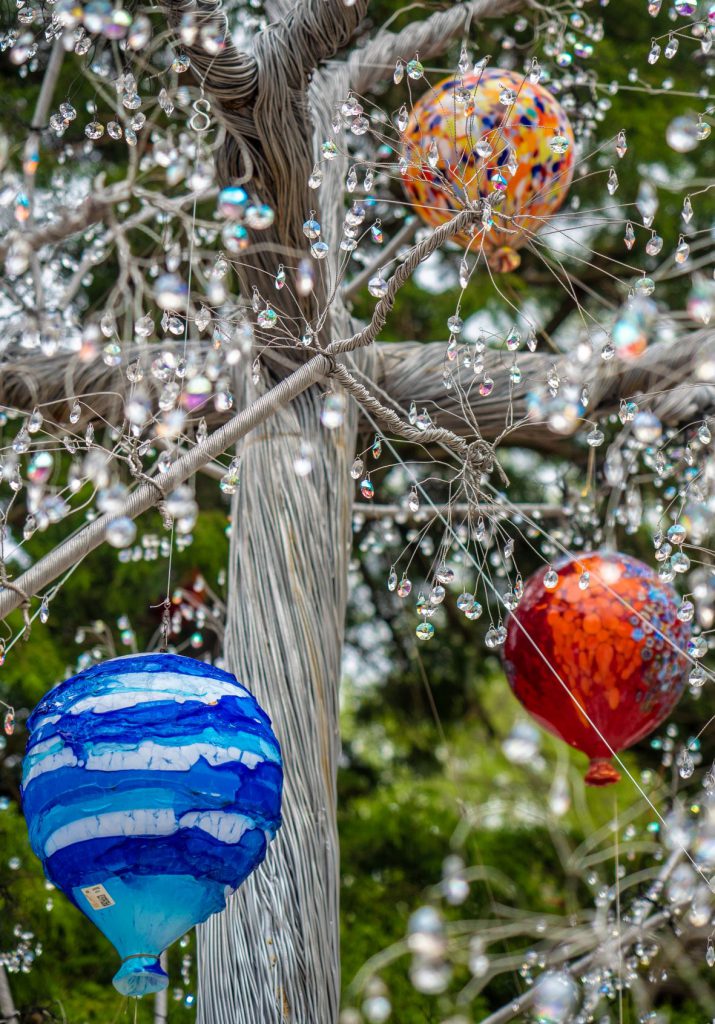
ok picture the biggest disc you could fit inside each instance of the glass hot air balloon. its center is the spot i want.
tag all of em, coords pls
(151, 788)
(490, 135)
(599, 658)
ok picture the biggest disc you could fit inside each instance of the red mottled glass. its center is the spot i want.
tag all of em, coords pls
(602, 660)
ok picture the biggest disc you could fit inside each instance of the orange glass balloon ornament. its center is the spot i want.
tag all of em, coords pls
(597, 659)
(490, 135)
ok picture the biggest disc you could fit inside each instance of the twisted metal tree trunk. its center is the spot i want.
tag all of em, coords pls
(273, 956)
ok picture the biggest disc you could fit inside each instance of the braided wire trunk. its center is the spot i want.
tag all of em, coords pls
(273, 955)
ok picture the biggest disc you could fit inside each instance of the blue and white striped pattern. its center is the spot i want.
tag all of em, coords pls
(157, 778)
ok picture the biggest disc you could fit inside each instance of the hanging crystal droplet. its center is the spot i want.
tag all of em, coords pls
(311, 227)
(34, 424)
(303, 462)
(21, 442)
(366, 488)
(464, 61)
(686, 765)
(654, 244)
(559, 144)
(9, 716)
(682, 251)
(621, 144)
(44, 611)
(612, 183)
(333, 413)
(513, 339)
(357, 468)
(551, 579)
(267, 318)
(377, 286)
(425, 631)
(415, 70)
(671, 47)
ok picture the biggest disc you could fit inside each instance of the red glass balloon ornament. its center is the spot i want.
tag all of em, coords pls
(614, 639)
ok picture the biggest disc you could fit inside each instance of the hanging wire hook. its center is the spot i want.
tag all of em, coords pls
(200, 120)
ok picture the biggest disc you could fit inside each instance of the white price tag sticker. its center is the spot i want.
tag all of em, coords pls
(97, 897)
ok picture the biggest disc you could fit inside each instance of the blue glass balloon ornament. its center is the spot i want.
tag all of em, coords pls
(151, 788)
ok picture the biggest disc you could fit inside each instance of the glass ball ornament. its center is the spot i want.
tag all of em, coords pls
(39, 468)
(232, 202)
(121, 532)
(171, 292)
(607, 664)
(151, 788)
(682, 134)
(556, 996)
(647, 428)
(462, 143)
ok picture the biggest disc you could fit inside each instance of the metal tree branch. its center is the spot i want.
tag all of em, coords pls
(7, 1004)
(411, 371)
(93, 210)
(430, 38)
(402, 238)
(149, 494)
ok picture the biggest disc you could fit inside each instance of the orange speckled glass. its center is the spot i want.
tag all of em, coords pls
(524, 129)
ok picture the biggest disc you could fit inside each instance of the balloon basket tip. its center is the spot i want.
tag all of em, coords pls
(140, 975)
(601, 772)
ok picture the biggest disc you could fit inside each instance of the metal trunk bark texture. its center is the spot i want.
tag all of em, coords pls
(273, 956)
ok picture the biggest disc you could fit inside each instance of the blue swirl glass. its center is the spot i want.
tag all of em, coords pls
(151, 788)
